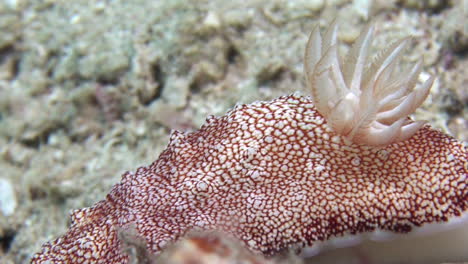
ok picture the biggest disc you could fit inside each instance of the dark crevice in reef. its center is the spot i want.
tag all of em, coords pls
(108, 81)
(51, 62)
(232, 55)
(199, 81)
(430, 7)
(458, 43)
(7, 239)
(158, 77)
(9, 53)
(270, 76)
(42, 138)
(37, 193)
(195, 86)
(452, 105)
(5, 51)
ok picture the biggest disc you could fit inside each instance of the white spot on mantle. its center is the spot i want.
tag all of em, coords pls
(356, 161)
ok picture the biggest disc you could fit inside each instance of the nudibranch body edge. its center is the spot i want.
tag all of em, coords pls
(277, 175)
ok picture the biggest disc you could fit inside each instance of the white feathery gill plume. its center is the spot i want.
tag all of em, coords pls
(367, 102)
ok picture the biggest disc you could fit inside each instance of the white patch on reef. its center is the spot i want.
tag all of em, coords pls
(7, 198)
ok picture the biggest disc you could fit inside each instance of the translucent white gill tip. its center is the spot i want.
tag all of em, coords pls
(366, 101)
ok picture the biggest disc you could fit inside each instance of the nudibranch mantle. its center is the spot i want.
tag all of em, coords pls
(274, 175)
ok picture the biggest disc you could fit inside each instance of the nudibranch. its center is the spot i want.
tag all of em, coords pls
(290, 174)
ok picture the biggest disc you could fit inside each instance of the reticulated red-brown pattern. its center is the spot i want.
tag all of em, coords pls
(273, 175)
